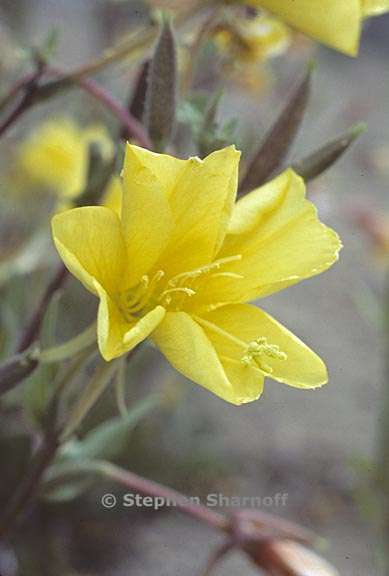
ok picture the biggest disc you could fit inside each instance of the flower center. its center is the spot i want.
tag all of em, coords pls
(187, 283)
(173, 294)
(139, 300)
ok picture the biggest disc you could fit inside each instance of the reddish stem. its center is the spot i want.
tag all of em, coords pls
(30, 86)
(133, 127)
(19, 85)
(155, 490)
(32, 328)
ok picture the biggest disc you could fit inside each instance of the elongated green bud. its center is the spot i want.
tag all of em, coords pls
(315, 164)
(161, 102)
(280, 138)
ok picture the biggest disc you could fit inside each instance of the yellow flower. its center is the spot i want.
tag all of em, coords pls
(182, 260)
(253, 39)
(56, 156)
(112, 197)
(336, 23)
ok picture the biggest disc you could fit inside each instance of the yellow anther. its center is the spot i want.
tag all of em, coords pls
(197, 272)
(166, 294)
(227, 275)
(137, 298)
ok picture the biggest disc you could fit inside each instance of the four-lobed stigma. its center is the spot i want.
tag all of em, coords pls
(258, 350)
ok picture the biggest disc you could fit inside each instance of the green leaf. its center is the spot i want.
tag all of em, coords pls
(161, 99)
(120, 386)
(280, 138)
(109, 440)
(74, 471)
(66, 480)
(49, 322)
(90, 395)
(38, 392)
(199, 114)
(68, 488)
(68, 349)
(50, 44)
(191, 113)
(315, 164)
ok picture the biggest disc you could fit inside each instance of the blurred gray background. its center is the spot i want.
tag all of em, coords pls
(310, 445)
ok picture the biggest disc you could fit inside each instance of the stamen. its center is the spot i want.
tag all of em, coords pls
(166, 294)
(192, 274)
(135, 301)
(227, 275)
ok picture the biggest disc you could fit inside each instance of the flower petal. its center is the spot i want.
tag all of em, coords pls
(113, 195)
(374, 7)
(187, 347)
(91, 244)
(201, 203)
(280, 239)
(115, 335)
(184, 203)
(165, 168)
(302, 368)
(336, 23)
(146, 215)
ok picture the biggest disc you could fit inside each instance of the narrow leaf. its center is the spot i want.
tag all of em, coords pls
(109, 440)
(49, 322)
(68, 349)
(120, 386)
(280, 138)
(73, 473)
(315, 164)
(94, 389)
(162, 89)
(38, 392)
(68, 488)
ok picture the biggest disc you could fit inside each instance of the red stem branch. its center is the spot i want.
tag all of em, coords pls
(31, 330)
(149, 488)
(131, 124)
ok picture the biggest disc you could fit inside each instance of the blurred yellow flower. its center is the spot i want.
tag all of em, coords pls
(56, 156)
(253, 39)
(336, 23)
(182, 259)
